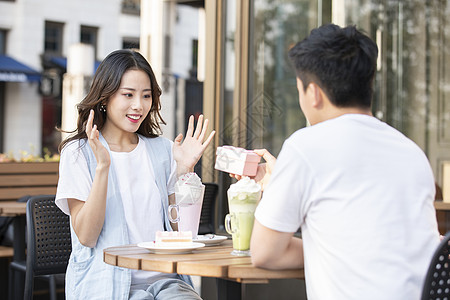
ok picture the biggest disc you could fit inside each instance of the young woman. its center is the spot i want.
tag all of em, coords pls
(117, 177)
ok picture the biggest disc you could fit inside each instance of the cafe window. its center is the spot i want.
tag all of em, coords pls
(229, 120)
(53, 40)
(273, 110)
(258, 100)
(88, 35)
(412, 80)
(258, 104)
(254, 83)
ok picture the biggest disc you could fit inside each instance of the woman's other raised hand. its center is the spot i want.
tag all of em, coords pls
(100, 152)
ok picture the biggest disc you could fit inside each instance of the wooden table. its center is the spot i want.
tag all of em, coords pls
(12, 208)
(214, 261)
(15, 209)
(441, 205)
(18, 211)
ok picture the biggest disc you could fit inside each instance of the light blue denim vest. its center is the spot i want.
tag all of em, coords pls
(87, 276)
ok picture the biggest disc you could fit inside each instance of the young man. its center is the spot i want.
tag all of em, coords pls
(361, 192)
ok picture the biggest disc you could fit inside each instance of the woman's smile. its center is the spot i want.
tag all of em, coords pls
(134, 117)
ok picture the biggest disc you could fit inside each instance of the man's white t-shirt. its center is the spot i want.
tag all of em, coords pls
(137, 184)
(363, 195)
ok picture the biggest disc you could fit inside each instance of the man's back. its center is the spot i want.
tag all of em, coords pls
(363, 194)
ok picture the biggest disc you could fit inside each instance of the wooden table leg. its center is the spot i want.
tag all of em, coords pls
(228, 290)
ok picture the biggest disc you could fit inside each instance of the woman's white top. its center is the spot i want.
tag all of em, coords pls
(138, 190)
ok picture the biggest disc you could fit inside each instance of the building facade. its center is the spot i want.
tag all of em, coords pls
(39, 35)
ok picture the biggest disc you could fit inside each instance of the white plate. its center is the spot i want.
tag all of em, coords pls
(210, 239)
(170, 250)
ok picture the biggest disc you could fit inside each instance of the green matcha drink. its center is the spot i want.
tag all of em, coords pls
(243, 198)
(242, 222)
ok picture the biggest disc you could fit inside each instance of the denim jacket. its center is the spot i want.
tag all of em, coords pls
(87, 276)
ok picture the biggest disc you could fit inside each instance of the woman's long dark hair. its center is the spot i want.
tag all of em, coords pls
(106, 82)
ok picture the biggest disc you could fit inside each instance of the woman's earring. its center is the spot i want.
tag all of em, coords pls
(103, 108)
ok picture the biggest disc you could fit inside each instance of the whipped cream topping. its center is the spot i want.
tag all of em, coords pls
(244, 188)
(189, 189)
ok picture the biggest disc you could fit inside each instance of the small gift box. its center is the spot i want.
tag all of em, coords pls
(237, 160)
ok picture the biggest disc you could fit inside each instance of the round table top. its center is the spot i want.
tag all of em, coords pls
(211, 261)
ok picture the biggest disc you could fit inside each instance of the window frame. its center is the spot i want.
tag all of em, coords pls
(92, 31)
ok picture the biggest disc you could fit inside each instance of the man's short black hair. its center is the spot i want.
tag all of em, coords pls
(342, 61)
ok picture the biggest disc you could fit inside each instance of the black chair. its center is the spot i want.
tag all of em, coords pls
(437, 280)
(207, 216)
(48, 245)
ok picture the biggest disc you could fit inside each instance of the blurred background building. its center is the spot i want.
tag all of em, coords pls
(35, 42)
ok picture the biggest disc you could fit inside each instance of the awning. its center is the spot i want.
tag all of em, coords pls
(13, 71)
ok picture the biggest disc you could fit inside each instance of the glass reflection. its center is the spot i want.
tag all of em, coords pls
(226, 135)
(412, 81)
(273, 110)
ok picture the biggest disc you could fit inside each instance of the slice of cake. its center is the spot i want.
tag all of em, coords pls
(173, 238)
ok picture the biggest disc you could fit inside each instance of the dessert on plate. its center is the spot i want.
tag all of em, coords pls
(173, 238)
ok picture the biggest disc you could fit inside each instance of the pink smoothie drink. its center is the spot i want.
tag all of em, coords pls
(189, 192)
(190, 217)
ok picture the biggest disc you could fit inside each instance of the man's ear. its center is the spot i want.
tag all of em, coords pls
(315, 94)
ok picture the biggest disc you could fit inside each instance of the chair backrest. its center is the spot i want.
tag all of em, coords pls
(207, 216)
(48, 236)
(437, 280)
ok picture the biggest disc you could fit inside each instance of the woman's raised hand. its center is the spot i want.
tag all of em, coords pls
(188, 152)
(100, 152)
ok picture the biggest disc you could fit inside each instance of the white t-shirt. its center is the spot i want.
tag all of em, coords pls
(363, 195)
(140, 195)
